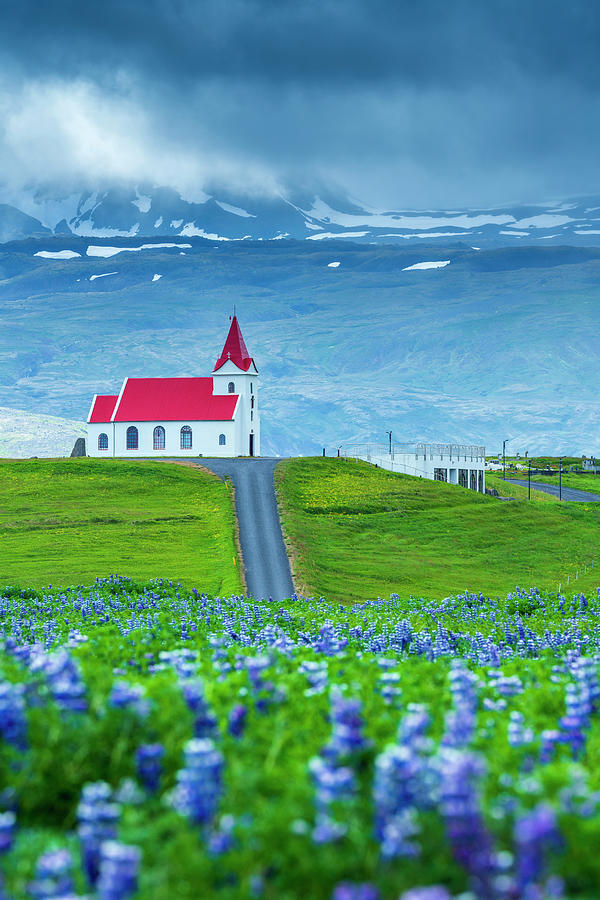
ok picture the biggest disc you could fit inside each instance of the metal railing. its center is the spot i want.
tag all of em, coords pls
(418, 449)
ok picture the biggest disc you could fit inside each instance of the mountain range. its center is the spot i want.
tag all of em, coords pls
(434, 341)
(319, 214)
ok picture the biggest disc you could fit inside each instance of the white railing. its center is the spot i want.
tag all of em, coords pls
(420, 450)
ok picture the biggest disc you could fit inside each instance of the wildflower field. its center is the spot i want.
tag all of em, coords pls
(160, 743)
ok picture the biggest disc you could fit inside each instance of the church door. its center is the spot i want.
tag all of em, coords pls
(251, 445)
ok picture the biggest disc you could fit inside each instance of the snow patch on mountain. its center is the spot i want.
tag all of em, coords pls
(142, 202)
(102, 275)
(106, 252)
(338, 234)
(156, 277)
(236, 210)
(434, 264)
(57, 254)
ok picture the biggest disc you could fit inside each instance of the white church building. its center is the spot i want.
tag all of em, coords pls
(214, 416)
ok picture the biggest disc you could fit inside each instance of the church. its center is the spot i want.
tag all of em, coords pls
(215, 416)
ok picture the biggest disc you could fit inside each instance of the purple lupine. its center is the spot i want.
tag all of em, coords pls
(205, 722)
(333, 784)
(433, 892)
(97, 822)
(518, 735)
(347, 737)
(460, 722)
(53, 876)
(129, 696)
(348, 890)
(535, 834)
(396, 783)
(549, 740)
(148, 759)
(64, 679)
(13, 722)
(221, 839)
(8, 825)
(236, 722)
(469, 838)
(199, 782)
(119, 869)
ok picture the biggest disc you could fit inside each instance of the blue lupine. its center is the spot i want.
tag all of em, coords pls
(149, 765)
(236, 722)
(8, 825)
(347, 737)
(205, 722)
(119, 869)
(346, 890)
(469, 838)
(53, 876)
(199, 782)
(433, 892)
(64, 679)
(535, 834)
(129, 696)
(13, 722)
(97, 822)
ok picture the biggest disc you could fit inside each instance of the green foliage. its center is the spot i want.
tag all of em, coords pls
(356, 532)
(66, 521)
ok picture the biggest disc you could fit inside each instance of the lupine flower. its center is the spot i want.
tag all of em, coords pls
(237, 720)
(53, 876)
(119, 868)
(8, 825)
(205, 722)
(97, 817)
(535, 834)
(199, 782)
(149, 765)
(434, 892)
(347, 737)
(518, 735)
(13, 723)
(64, 679)
(129, 696)
(221, 839)
(346, 890)
(469, 839)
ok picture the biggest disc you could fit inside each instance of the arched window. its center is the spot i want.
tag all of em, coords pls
(251, 388)
(231, 387)
(185, 438)
(221, 440)
(132, 438)
(102, 441)
(158, 439)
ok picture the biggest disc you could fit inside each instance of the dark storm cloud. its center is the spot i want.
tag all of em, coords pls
(426, 101)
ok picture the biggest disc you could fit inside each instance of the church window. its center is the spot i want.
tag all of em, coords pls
(132, 438)
(231, 387)
(252, 402)
(103, 441)
(158, 441)
(251, 416)
(251, 388)
(185, 436)
(221, 440)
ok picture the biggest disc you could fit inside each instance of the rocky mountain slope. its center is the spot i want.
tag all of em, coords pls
(316, 215)
(435, 343)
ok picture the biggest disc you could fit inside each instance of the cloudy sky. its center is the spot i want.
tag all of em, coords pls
(405, 103)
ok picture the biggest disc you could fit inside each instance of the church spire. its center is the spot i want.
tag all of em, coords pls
(235, 349)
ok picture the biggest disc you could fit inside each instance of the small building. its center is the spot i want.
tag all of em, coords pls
(213, 416)
(462, 464)
(590, 465)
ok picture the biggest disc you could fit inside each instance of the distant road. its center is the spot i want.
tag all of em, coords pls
(567, 493)
(266, 564)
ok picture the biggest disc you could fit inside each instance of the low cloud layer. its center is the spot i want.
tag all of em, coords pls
(404, 104)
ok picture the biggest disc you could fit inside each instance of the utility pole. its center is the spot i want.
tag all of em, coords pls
(390, 436)
(529, 480)
(560, 459)
(504, 443)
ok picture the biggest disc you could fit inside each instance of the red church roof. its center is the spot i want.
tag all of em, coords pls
(103, 407)
(173, 400)
(235, 349)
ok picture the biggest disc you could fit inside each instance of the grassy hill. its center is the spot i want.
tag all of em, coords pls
(68, 521)
(359, 532)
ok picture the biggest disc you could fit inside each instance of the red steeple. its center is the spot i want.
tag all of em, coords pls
(235, 349)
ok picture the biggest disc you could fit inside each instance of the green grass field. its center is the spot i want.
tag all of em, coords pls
(357, 532)
(67, 521)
